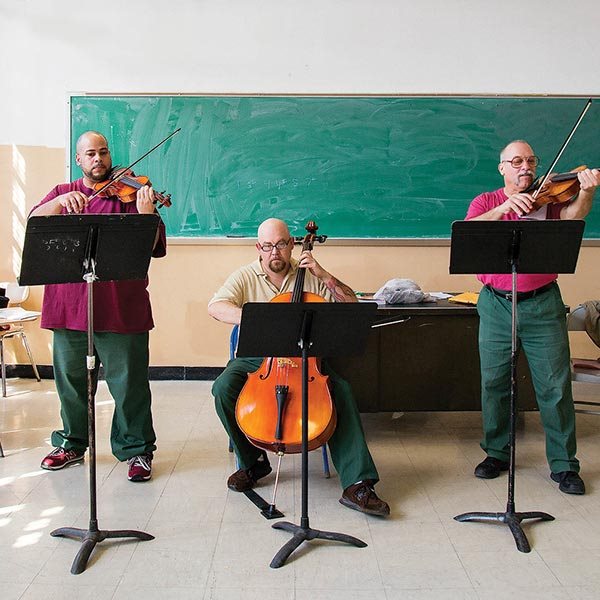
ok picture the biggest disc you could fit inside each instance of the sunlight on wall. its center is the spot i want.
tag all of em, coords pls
(18, 208)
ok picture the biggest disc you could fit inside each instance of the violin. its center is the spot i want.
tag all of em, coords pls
(269, 407)
(558, 188)
(126, 185)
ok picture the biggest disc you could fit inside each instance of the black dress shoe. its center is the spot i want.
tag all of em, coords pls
(245, 479)
(569, 482)
(490, 468)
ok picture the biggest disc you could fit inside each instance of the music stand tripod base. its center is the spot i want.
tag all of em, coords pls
(89, 538)
(510, 518)
(305, 533)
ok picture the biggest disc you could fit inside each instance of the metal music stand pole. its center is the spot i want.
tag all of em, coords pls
(514, 247)
(52, 254)
(305, 329)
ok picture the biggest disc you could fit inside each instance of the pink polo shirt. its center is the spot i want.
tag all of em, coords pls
(503, 281)
(119, 306)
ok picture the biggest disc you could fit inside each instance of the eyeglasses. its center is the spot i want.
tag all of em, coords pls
(268, 246)
(517, 161)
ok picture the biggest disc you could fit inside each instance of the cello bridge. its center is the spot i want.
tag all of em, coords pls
(286, 362)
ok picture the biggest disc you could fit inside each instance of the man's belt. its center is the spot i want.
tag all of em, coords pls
(521, 295)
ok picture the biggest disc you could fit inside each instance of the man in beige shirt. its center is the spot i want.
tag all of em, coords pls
(274, 272)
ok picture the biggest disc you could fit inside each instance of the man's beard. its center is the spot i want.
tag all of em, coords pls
(277, 265)
(99, 175)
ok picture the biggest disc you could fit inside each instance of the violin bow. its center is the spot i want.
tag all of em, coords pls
(135, 162)
(562, 149)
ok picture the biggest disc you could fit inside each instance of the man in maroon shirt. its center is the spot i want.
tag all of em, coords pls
(541, 328)
(122, 320)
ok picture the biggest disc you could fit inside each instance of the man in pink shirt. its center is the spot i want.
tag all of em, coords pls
(541, 327)
(122, 320)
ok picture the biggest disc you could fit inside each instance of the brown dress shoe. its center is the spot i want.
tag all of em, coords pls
(361, 496)
(245, 479)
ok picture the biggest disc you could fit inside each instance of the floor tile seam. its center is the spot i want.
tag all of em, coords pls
(209, 588)
(376, 555)
(554, 574)
(50, 557)
(25, 590)
(453, 545)
(168, 479)
(416, 471)
(466, 571)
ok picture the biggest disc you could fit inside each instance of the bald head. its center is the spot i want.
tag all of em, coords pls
(90, 138)
(273, 229)
(514, 147)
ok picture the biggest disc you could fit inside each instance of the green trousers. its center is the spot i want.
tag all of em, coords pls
(125, 361)
(542, 334)
(349, 451)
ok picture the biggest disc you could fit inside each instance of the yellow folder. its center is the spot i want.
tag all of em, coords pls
(465, 298)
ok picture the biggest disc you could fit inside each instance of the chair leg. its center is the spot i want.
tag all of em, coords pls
(35, 369)
(3, 367)
(1, 451)
(325, 462)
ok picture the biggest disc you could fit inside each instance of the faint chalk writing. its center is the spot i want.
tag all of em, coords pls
(61, 245)
(278, 184)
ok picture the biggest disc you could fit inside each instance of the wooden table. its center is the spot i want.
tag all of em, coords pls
(429, 362)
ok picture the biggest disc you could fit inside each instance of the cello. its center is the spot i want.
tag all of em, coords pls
(269, 407)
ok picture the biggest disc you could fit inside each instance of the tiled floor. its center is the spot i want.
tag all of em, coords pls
(212, 543)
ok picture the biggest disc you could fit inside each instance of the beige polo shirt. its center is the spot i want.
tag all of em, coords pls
(250, 284)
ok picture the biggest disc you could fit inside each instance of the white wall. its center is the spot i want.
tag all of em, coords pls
(51, 47)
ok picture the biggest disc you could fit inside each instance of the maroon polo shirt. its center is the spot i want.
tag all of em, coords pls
(119, 306)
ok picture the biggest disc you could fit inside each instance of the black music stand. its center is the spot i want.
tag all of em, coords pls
(524, 246)
(305, 329)
(69, 249)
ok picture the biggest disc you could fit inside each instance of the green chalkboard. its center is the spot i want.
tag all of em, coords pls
(361, 167)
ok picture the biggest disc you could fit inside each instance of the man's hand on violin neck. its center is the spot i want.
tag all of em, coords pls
(145, 200)
(74, 201)
(589, 179)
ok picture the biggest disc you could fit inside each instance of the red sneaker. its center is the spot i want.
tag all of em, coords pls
(60, 458)
(140, 467)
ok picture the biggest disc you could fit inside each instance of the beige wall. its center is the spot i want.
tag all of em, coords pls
(51, 48)
(182, 283)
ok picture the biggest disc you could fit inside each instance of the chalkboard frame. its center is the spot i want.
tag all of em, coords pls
(435, 240)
